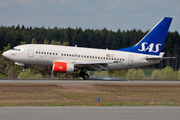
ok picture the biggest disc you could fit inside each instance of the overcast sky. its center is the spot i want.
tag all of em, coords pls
(93, 14)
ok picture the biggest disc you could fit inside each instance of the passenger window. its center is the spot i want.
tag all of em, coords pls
(117, 58)
(81, 55)
(75, 55)
(90, 56)
(78, 55)
(70, 55)
(106, 58)
(41, 52)
(67, 54)
(84, 56)
(13, 48)
(18, 49)
(50, 53)
(36, 52)
(114, 58)
(64, 54)
(61, 54)
(56, 54)
(95, 57)
(53, 53)
(122, 59)
(98, 57)
(87, 56)
(44, 52)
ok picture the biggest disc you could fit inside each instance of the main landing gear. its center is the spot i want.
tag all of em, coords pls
(83, 74)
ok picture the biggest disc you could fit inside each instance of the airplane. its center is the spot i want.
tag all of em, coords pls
(68, 59)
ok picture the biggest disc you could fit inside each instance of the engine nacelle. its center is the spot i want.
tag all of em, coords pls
(63, 67)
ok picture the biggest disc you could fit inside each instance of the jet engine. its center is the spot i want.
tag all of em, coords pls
(63, 67)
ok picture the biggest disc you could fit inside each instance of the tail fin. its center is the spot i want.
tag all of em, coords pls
(153, 42)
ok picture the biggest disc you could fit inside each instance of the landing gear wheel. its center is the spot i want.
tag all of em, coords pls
(86, 76)
(83, 74)
(23, 70)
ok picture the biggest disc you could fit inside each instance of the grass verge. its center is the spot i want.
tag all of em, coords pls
(87, 94)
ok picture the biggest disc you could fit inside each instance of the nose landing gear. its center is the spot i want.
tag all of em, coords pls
(24, 68)
(83, 74)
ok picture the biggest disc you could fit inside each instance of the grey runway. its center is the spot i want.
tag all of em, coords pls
(90, 113)
(93, 81)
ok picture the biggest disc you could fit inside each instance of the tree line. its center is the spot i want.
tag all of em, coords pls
(16, 35)
(166, 73)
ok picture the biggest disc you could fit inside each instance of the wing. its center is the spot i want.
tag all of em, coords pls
(95, 66)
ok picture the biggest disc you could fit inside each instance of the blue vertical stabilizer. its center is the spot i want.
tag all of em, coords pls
(153, 42)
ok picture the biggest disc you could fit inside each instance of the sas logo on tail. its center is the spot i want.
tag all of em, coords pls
(150, 47)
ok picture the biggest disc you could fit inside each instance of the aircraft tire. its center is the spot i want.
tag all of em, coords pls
(86, 76)
(23, 70)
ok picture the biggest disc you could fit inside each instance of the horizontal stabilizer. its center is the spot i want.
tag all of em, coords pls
(154, 58)
(158, 57)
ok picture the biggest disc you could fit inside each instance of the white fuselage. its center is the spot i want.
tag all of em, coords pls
(41, 54)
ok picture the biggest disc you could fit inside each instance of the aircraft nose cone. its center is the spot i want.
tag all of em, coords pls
(6, 54)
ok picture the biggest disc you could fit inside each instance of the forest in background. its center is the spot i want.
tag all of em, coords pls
(17, 35)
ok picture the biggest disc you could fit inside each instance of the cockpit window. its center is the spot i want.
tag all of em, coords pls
(16, 49)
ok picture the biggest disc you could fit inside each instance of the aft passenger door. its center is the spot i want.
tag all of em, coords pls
(130, 61)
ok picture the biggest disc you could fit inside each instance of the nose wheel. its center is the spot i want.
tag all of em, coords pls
(24, 68)
(84, 75)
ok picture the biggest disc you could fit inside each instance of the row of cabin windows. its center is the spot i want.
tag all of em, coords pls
(48, 53)
(84, 56)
